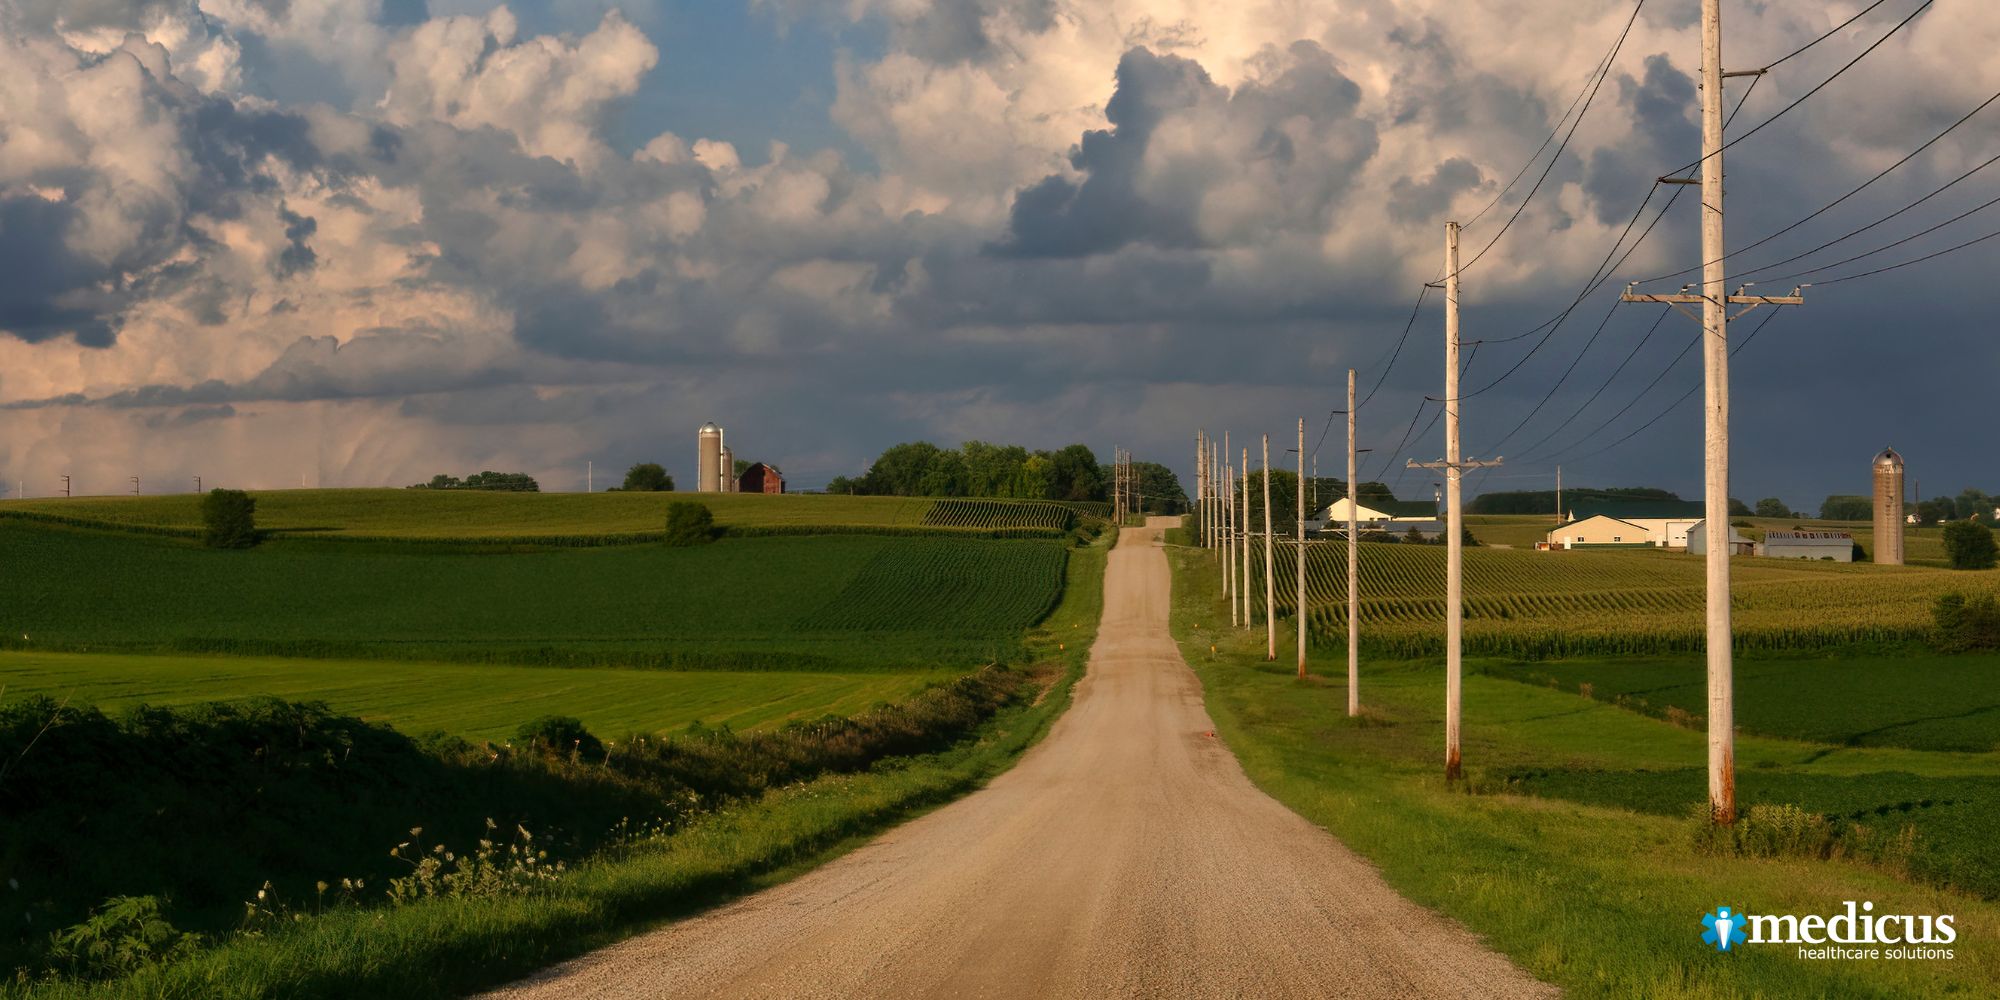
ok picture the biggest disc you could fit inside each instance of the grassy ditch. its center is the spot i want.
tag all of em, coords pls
(773, 811)
(1595, 897)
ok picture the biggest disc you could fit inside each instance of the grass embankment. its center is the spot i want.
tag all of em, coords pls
(1600, 900)
(447, 946)
(786, 603)
(476, 702)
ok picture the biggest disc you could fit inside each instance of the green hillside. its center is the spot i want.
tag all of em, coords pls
(481, 514)
(787, 602)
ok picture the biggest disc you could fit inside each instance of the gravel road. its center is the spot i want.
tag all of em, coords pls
(1125, 856)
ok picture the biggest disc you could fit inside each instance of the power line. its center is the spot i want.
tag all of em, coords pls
(1929, 256)
(1834, 31)
(1671, 407)
(1829, 206)
(1892, 215)
(1891, 246)
(1808, 94)
(1636, 348)
(1603, 73)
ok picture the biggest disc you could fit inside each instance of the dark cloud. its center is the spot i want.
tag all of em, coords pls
(1061, 218)
(47, 290)
(1664, 134)
(1422, 201)
(189, 416)
(298, 255)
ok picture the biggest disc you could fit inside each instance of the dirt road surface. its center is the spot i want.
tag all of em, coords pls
(1125, 856)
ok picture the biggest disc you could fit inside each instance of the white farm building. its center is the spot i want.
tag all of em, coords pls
(1835, 545)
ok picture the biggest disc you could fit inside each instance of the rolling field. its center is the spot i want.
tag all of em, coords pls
(1949, 703)
(788, 603)
(472, 701)
(457, 514)
(1537, 604)
(1570, 845)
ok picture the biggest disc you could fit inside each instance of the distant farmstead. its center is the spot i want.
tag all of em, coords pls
(1697, 541)
(760, 478)
(1628, 524)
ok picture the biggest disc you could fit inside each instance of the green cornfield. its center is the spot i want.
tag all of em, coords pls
(999, 514)
(1529, 604)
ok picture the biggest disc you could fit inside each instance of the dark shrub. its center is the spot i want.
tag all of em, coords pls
(560, 735)
(1966, 623)
(689, 523)
(229, 520)
(1969, 545)
(647, 477)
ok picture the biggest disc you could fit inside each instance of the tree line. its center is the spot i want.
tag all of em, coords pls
(983, 470)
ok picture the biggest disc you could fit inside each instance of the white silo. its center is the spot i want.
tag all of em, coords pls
(1888, 508)
(727, 471)
(708, 459)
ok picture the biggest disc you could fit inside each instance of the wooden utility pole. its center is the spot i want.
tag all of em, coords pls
(1454, 466)
(1201, 488)
(1270, 585)
(1243, 543)
(1559, 496)
(1715, 302)
(1229, 532)
(1301, 606)
(1353, 564)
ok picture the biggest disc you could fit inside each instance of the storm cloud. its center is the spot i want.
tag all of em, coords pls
(359, 242)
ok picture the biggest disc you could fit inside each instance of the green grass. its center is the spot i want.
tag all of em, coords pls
(450, 947)
(456, 514)
(789, 602)
(1919, 701)
(472, 701)
(1598, 890)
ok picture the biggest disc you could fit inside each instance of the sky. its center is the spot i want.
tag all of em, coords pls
(280, 243)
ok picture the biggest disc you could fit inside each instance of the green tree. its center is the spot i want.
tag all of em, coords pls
(947, 477)
(1773, 507)
(1158, 489)
(900, 471)
(1936, 510)
(228, 519)
(1075, 475)
(1969, 545)
(647, 477)
(1841, 507)
(689, 523)
(1738, 508)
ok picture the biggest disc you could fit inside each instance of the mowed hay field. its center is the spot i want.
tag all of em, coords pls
(462, 514)
(1521, 602)
(784, 602)
(476, 702)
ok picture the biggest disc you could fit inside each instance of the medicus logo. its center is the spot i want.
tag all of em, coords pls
(1857, 932)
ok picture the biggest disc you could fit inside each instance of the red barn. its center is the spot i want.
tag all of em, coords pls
(760, 478)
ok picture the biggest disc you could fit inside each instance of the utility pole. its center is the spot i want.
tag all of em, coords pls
(1454, 467)
(1270, 585)
(197, 484)
(1301, 615)
(1353, 565)
(1715, 302)
(590, 475)
(1243, 533)
(135, 486)
(1200, 490)
(1559, 496)
(65, 486)
(1229, 532)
